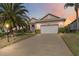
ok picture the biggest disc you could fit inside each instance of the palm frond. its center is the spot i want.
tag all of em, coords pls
(14, 12)
(69, 5)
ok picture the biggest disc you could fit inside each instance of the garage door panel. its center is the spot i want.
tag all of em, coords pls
(49, 29)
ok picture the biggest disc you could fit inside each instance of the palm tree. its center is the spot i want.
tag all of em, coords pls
(76, 7)
(13, 14)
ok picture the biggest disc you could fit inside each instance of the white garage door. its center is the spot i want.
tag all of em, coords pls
(49, 29)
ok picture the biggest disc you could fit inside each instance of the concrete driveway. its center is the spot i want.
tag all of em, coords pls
(39, 45)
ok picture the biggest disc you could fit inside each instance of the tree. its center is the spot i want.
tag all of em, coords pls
(13, 14)
(76, 7)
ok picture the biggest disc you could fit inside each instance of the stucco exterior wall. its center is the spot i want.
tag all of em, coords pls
(60, 24)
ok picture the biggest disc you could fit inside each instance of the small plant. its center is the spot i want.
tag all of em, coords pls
(37, 31)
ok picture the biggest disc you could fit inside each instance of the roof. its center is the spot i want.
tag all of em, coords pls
(33, 20)
(72, 22)
(51, 17)
(48, 18)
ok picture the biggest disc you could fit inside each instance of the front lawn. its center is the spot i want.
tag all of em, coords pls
(72, 41)
(18, 37)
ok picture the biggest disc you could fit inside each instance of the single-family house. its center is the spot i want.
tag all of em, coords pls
(47, 24)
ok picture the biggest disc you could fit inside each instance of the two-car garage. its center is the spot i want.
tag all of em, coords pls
(49, 28)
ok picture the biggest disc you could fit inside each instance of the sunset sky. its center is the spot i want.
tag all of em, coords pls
(38, 10)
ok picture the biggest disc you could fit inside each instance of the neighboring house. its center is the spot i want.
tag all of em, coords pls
(48, 24)
(73, 26)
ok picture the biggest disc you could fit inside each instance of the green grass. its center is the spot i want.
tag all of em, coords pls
(17, 38)
(72, 41)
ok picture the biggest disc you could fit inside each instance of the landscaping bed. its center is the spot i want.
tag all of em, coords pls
(18, 37)
(72, 41)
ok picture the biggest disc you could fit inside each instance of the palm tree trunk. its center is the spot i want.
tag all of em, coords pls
(16, 28)
(29, 27)
(19, 27)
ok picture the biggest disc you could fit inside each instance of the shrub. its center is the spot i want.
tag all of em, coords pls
(61, 30)
(2, 32)
(37, 31)
(64, 30)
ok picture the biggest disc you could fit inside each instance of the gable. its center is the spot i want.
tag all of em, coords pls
(50, 17)
(33, 20)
